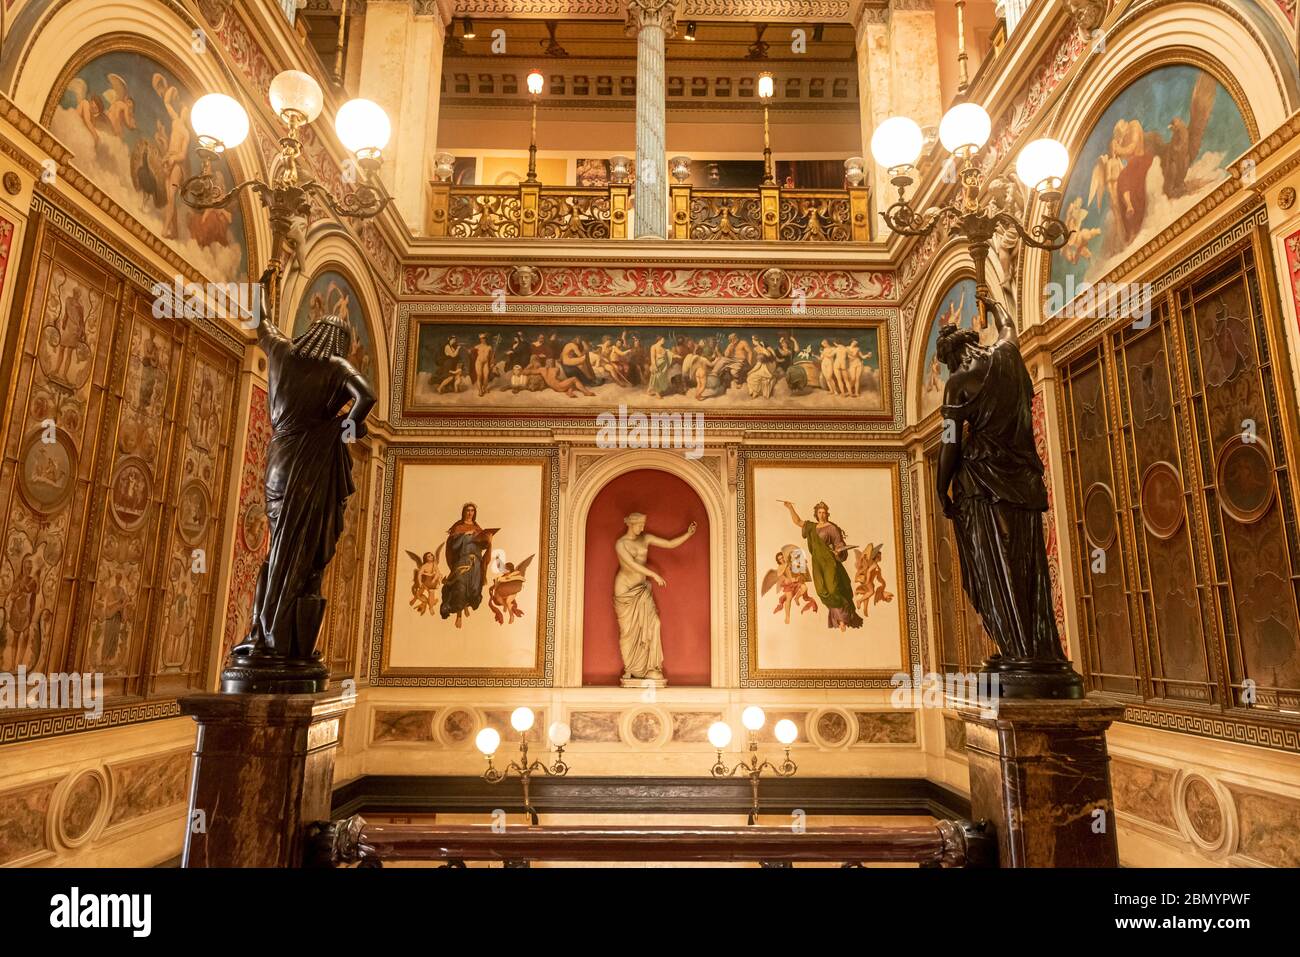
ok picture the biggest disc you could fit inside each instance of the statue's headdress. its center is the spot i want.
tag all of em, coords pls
(324, 338)
(952, 344)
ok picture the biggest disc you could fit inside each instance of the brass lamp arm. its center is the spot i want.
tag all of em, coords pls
(364, 202)
(1050, 234)
(197, 191)
(902, 219)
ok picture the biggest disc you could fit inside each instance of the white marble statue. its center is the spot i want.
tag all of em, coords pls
(634, 603)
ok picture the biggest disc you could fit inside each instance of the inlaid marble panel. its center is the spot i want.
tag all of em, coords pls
(1144, 791)
(886, 727)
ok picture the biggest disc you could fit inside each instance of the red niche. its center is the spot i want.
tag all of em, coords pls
(670, 504)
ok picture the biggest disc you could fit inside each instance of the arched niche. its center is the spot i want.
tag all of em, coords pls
(670, 504)
(952, 264)
(330, 250)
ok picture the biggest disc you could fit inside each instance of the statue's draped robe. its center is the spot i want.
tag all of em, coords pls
(308, 480)
(1000, 497)
(639, 639)
(829, 575)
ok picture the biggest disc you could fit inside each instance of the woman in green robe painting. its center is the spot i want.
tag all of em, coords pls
(826, 551)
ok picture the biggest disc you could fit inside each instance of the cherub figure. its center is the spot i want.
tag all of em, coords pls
(791, 574)
(869, 580)
(425, 582)
(504, 591)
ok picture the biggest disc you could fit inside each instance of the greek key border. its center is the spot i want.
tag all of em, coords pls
(552, 531)
(899, 458)
(1220, 727)
(404, 425)
(50, 725)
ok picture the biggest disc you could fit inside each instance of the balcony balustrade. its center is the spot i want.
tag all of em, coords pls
(763, 213)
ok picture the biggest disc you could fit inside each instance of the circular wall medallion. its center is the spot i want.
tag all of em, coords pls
(1099, 515)
(457, 726)
(1205, 813)
(47, 471)
(1245, 477)
(1162, 500)
(646, 727)
(129, 493)
(253, 526)
(831, 728)
(193, 512)
(82, 807)
(13, 185)
(774, 283)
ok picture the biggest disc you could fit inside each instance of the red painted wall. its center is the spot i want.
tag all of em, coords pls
(670, 504)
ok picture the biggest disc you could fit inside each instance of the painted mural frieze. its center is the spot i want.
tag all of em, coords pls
(647, 281)
(832, 370)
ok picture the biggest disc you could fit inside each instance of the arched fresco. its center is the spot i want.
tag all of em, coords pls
(126, 119)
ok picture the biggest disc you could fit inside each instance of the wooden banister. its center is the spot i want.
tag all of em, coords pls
(951, 843)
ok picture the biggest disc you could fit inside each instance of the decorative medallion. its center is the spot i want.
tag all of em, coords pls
(13, 184)
(525, 280)
(1286, 197)
(774, 283)
(82, 807)
(194, 512)
(1099, 515)
(1203, 811)
(253, 526)
(1245, 478)
(646, 727)
(47, 471)
(1162, 500)
(129, 493)
(457, 726)
(832, 728)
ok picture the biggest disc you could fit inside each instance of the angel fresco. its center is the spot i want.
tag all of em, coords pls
(791, 574)
(472, 566)
(505, 589)
(125, 117)
(869, 581)
(827, 550)
(426, 581)
(1161, 143)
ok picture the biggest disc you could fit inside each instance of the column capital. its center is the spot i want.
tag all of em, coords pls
(646, 13)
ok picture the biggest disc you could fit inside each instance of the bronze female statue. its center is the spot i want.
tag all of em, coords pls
(990, 463)
(308, 481)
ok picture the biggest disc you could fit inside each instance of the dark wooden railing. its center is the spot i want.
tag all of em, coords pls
(951, 843)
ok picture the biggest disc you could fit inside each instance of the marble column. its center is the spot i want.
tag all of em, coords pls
(914, 61)
(651, 22)
(401, 70)
(1040, 775)
(263, 773)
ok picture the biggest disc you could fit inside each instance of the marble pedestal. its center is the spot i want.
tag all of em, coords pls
(1040, 774)
(263, 771)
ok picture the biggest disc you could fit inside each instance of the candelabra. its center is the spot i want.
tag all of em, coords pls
(220, 124)
(766, 87)
(521, 720)
(751, 767)
(535, 81)
(896, 145)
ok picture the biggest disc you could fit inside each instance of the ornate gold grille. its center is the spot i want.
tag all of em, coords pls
(601, 212)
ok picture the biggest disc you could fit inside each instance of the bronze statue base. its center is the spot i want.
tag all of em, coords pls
(265, 674)
(1030, 678)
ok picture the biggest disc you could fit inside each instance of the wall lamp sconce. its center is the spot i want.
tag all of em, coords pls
(753, 718)
(521, 719)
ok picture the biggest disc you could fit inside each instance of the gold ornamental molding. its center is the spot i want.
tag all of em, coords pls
(795, 11)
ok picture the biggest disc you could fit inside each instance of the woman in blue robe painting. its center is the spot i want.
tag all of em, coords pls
(468, 548)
